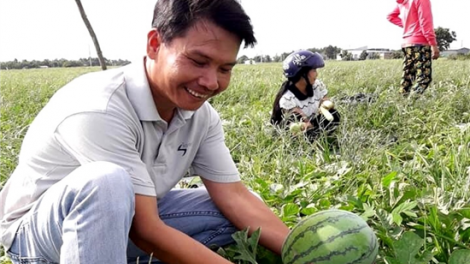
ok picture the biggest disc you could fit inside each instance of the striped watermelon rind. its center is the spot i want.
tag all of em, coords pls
(333, 237)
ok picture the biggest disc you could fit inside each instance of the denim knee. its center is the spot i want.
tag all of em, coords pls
(109, 181)
(90, 209)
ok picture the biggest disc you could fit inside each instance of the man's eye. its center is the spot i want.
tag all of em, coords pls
(199, 63)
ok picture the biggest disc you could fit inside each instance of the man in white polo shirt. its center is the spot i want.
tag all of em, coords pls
(98, 164)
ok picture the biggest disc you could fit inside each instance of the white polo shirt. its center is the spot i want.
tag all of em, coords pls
(111, 116)
(308, 106)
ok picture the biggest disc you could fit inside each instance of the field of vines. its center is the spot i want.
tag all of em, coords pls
(403, 164)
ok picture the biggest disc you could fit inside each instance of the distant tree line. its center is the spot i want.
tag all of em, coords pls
(83, 62)
(444, 37)
(329, 53)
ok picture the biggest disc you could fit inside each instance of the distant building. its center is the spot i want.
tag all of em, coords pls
(381, 53)
(250, 62)
(462, 51)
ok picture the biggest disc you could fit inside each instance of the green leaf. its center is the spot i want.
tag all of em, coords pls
(410, 193)
(265, 256)
(290, 209)
(460, 256)
(324, 203)
(245, 248)
(407, 249)
(368, 212)
(308, 211)
(221, 251)
(387, 180)
(405, 208)
(396, 218)
(292, 195)
(410, 213)
(355, 201)
(391, 260)
(253, 241)
(465, 212)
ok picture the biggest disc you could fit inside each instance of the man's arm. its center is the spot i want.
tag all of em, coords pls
(214, 164)
(244, 209)
(394, 17)
(86, 137)
(169, 245)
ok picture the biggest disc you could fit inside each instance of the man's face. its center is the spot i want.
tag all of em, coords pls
(187, 71)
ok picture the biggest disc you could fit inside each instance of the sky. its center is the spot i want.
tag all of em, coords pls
(53, 29)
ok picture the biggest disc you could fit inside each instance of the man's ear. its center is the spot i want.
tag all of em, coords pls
(153, 43)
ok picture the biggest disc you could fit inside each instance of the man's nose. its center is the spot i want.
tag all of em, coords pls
(209, 80)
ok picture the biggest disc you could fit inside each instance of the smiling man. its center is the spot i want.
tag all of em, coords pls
(97, 167)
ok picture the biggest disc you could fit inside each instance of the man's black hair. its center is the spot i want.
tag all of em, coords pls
(173, 18)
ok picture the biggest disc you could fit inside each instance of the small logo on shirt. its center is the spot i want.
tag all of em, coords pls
(183, 148)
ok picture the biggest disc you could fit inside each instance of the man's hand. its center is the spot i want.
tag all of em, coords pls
(244, 210)
(151, 234)
(435, 52)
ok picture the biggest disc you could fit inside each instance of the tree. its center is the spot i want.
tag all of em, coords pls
(363, 55)
(315, 50)
(374, 56)
(284, 55)
(346, 55)
(397, 54)
(258, 58)
(444, 37)
(331, 52)
(242, 59)
(92, 34)
(267, 58)
(25, 64)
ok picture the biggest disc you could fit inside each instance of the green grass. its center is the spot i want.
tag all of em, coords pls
(403, 164)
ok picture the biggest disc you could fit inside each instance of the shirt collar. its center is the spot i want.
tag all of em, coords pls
(140, 95)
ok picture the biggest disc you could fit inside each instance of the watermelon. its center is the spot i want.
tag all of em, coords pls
(330, 237)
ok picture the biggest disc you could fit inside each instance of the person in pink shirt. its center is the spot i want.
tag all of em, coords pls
(419, 43)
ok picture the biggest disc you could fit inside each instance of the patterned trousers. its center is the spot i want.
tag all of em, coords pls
(417, 68)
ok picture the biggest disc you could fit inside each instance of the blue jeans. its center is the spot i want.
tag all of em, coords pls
(86, 217)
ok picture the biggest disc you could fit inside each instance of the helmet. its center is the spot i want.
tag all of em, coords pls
(299, 59)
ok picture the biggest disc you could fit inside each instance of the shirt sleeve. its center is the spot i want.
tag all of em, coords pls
(213, 160)
(425, 20)
(394, 17)
(287, 102)
(92, 136)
